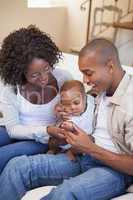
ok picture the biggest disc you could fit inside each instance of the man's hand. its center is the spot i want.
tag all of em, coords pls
(78, 139)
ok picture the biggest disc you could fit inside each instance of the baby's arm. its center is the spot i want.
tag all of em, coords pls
(59, 112)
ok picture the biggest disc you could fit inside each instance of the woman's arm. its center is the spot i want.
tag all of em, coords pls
(38, 133)
(17, 130)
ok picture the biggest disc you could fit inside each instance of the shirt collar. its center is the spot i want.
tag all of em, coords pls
(120, 91)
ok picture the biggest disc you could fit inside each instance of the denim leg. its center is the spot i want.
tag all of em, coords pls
(4, 137)
(97, 183)
(24, 173)
(20, 148)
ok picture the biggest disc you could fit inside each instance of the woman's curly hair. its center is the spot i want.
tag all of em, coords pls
(18, 50)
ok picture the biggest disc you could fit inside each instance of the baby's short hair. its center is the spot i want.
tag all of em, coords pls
(73, 84)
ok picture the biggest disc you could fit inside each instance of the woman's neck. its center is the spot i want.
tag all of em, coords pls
(40, 95)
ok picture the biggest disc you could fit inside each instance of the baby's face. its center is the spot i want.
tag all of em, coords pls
(73, 102)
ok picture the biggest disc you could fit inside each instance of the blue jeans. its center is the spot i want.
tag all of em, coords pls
(87, 178)
(10, 148)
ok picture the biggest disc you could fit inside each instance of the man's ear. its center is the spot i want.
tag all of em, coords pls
(110, 65)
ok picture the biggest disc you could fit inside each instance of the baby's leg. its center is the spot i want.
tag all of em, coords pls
(71, 155)
(53, 146)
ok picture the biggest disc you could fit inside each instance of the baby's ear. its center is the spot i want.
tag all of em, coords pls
(1, 115)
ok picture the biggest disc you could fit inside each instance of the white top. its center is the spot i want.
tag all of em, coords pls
(85, 120)
(30, 114)
(101, 133)
(18, 122)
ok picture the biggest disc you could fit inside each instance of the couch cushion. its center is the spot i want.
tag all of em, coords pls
(128, 196)
(38, 193)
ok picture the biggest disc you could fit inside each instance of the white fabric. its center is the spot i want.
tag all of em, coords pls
(101, 133)
(84, 121)
(9, 105)
(33, 114)
(123, 197)
(38, 193)
(41, 192)
(36, 114)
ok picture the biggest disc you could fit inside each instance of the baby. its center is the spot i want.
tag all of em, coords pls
(78, 108)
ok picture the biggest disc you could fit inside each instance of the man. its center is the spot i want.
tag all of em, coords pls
(104, 167)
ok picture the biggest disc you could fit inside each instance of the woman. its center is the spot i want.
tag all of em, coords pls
(28, 92)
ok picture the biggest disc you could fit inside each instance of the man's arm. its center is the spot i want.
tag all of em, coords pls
(120, 162)
(80, 141)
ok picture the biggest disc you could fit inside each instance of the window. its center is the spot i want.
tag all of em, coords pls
(45, 3)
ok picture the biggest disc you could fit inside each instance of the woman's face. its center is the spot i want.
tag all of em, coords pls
(38, 72)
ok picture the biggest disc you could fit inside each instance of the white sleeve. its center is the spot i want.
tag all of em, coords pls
(19, 131)
(37, 133)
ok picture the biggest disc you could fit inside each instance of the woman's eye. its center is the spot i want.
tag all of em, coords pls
(46, 68)
(35, 75)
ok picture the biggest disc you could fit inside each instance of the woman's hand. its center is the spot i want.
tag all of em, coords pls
(79, 139)
(56, 132)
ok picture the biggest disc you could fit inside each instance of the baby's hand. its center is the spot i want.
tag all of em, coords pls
(60, 113)
(68, 125)
(58, 110)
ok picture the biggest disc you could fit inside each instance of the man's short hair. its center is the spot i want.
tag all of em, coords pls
(103, 47)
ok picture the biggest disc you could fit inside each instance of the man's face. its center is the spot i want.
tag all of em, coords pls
(95, 74)
(73, 102)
